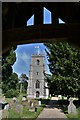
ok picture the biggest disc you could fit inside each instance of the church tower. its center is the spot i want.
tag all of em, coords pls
(37, 84)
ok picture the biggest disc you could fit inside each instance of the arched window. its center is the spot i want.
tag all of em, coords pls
(37, 73)
(37, 62)
(37, 84)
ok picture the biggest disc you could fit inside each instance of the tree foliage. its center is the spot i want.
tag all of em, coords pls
(23, 80)
(9, 79)
(64, 64)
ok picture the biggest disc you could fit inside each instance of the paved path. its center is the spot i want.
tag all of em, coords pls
(52, 111)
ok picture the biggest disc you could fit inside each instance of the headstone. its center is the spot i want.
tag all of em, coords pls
(31, 106)
(5, 114)
(14, 99)
(17, 102)
(50, 95)
(2, 99)
(36, 103)
(30, 102)
(23, 98)
(7, 107)
(19, 108)
(39, 103)
(35, 109)
(24, 103)
(59, 96)
(71, 107)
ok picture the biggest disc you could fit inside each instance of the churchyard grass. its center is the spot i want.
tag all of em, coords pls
(8, 99)
(28, 114)
(25, 113)
(13, 114)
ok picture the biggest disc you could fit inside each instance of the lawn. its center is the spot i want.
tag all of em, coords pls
(24, 114)
(28, 114)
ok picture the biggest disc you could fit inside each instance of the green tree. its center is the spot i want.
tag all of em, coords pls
(9, 79)
(64, 64)
(23, 82)
(13, 81)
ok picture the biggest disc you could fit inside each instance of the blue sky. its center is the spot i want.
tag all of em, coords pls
(23, 55)
(24, 52)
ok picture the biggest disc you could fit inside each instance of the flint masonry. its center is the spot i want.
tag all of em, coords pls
(37, 85)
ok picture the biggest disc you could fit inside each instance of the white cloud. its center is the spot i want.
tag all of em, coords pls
(24, 56)
(22, 63)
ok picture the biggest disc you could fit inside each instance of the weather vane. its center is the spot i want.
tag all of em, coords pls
(38, 51)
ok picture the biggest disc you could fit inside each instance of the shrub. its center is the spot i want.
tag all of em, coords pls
(11, 93)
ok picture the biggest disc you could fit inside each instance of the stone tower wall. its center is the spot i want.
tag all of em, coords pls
(36, 73)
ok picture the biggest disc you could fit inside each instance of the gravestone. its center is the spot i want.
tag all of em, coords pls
(71, 107)
(50, 95)
(17, 102)
(30, 102)
(59, 97)
(7, 106)
(32, 108)
(14, 99)
(2, 99)
(39, 103)
(5, 114)
(11, 104)
(19, 108)
(32, 105)
(23, 99)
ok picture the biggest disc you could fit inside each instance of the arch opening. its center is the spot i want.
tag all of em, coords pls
(37, 84)
(37, 62)
(37, 94)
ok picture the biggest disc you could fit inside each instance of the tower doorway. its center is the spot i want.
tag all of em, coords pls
(37, 93)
